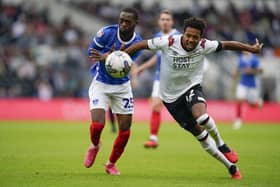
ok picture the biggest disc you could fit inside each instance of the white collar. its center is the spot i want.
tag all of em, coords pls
(129, 41)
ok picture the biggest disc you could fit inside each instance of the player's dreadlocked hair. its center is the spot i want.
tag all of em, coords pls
(132, 11)
(196, 23)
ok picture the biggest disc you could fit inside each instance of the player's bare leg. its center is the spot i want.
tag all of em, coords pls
(96, 127)
(124, 121)
(154, 123)
(218, 149)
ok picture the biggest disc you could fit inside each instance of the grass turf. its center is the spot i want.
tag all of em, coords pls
(51, 154)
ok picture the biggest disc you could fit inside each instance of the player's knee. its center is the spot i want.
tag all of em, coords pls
(124, 122)
(98, 120)
(98, 115)
(198, 110)
(124, 126)
(157, 105)
(203, 119)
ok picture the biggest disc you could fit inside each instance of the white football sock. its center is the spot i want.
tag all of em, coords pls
(154, 138)
(211, 128)
(208, 145)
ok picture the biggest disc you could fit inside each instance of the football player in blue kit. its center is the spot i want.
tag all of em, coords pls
(107, 91)
(248, 87)
(165, 23)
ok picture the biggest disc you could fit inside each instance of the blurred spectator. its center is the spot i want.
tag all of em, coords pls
(45, 91)
(32, 49)
(252, 21)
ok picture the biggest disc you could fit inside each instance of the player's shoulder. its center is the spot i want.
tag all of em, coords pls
(111, 27)
(207, 43)
(173, 39)
(107, 30)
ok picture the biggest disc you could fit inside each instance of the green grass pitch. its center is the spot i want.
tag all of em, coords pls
(50, 154)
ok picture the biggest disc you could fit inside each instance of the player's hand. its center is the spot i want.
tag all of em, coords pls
(257, 47)
(248, 70)
(138, 71)
(96, 56)
(122, 48)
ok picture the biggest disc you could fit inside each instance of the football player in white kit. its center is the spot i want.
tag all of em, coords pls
(181, 74)
(165, 23)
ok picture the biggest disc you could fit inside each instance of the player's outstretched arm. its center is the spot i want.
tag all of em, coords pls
(239, 46)
(149, 63)
(137, 47)
(253, 71)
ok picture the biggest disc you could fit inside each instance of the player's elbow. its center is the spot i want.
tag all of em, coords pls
(225, 45)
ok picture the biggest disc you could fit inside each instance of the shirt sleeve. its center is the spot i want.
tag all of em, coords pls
(158, 43)
(209, 46)
(99, 40)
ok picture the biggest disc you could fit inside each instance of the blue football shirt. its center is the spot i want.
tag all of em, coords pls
(104, 40)
(245, 62)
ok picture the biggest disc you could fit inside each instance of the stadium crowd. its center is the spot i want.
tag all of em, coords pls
(41, 59)
(229, 24)
(38, 58)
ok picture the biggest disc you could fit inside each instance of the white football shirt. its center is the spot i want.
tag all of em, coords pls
(180, 69)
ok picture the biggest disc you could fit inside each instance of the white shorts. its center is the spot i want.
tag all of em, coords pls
(247, 93)
(155, 92)
(119, 97)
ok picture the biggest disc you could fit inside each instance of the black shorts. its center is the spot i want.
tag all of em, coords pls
(181, 109)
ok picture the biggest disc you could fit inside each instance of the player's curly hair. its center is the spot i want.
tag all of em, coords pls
(132, 11)
(196, 23)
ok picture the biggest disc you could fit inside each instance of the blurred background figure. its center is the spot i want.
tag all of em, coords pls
(165, 24)
(45, 91)
(248, 88)
(112, 121)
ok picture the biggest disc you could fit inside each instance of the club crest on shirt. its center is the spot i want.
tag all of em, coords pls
(170, 40)
(202, 43)
(95, 101)
(100, 33)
